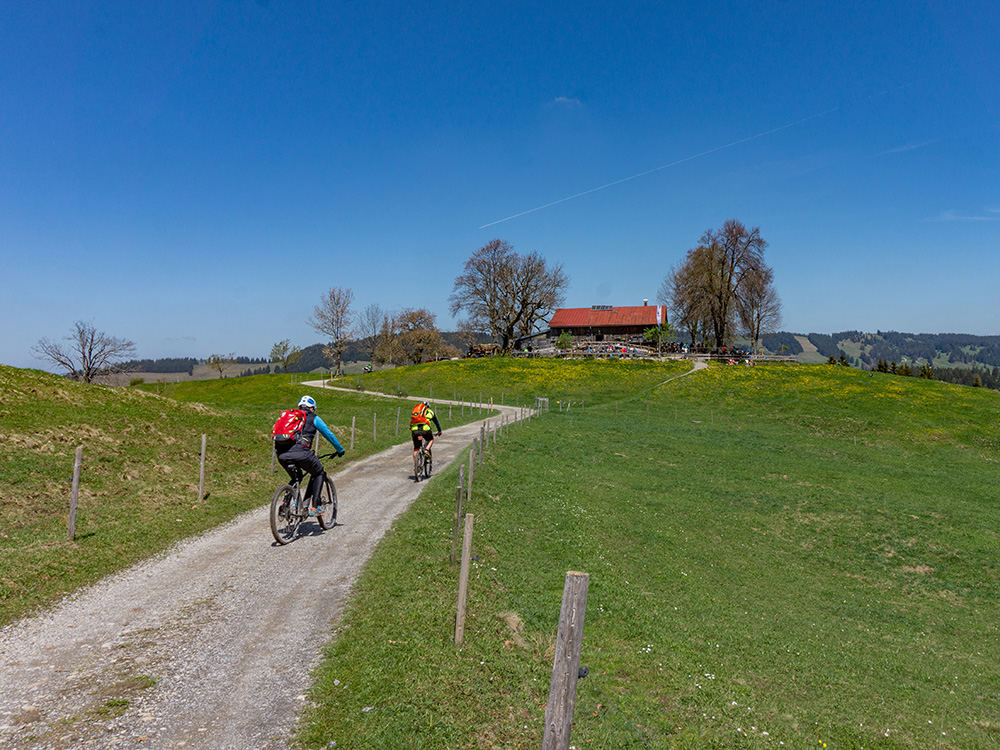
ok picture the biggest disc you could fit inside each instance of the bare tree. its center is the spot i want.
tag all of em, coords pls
(369, 326)
(87, 354)
(389, 349)
(686, 303)
(219, 362)
(759, 306)
(733, 254)
(285, 354)
(706, 290)
(507, 294)
(332, 317)
(468, 334)
(419, 335)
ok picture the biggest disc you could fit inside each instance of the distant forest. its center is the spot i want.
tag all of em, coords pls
(952, 357)
(311, 358)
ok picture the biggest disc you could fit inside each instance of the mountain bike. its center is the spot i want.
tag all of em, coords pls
(422, 461)
(289, 508)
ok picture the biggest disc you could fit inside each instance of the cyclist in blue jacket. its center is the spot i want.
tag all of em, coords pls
(299, 455)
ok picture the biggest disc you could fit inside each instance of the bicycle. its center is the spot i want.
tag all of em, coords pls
(422, 461)
(289, 508)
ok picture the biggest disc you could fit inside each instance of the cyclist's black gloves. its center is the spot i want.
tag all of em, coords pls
(340, 453)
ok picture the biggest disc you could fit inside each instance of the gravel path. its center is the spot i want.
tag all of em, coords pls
(210, 645)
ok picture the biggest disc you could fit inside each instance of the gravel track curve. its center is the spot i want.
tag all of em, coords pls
(212, 644)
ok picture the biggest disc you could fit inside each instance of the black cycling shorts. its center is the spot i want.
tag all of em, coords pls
(418, 435)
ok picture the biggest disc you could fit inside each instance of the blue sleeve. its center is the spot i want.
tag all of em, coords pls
(325, 432)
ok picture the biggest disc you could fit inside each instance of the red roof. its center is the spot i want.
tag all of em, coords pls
(606, 316)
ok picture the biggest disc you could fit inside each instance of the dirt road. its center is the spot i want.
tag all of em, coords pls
(210, 645)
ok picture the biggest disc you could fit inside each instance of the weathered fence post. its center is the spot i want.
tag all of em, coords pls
(458, 514)
(398, 410)
(472, 467)
(274, 456)
(353, 419)
(375, 427)
(75, 492)
(463, 580)
(566, 664)
(201, 473)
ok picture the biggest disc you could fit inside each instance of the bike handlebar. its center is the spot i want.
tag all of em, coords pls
(329, 455)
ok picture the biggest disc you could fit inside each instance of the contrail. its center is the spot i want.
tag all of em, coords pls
(665, 166)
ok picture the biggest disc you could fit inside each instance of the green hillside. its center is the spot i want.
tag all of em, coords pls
(139, 485)
(779, 556)
(958, 358)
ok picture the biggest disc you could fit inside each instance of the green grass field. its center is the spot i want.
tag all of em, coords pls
(139, 484)
(779, 556)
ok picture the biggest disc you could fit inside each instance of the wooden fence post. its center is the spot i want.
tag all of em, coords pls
(456, 523)
(201, 473)
(274, 456)
(472, 467)
(463, 580)
(566, 664)
(75, 492)
(398, 410)
(375, 427)
(352, 431)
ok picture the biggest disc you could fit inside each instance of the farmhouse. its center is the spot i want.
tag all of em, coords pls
(606, 322)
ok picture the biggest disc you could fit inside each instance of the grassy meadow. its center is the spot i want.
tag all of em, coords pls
(139, 483)
(779, 556)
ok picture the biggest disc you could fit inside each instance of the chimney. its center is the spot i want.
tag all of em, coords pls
(645, 302)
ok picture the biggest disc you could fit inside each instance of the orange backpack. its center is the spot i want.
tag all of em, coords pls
(419, 415)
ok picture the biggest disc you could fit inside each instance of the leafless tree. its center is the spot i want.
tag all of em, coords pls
(333, 317)
(369, 325)
(468, 334)
(687, 306)
(285, 354)
(507, 294)
(419, 335)
(87, 354)
(707, 288)
(388, 348)
(759, 306)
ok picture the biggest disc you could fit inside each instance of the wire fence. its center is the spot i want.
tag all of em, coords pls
(589, 679)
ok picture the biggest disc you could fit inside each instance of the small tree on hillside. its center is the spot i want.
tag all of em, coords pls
(285, 354)
(369, 326)
(388, 348)
(87, 354)
(333, 317)
(219, 362)
(419, 336)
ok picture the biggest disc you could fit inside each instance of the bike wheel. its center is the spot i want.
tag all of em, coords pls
(285, 519)
(427, 464)
(327, 515)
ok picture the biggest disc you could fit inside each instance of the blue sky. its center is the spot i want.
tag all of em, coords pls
(193, 176)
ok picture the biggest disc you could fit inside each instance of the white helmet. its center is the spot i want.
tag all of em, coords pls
(307, 402)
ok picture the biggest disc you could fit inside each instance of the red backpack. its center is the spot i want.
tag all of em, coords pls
(288, 428)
